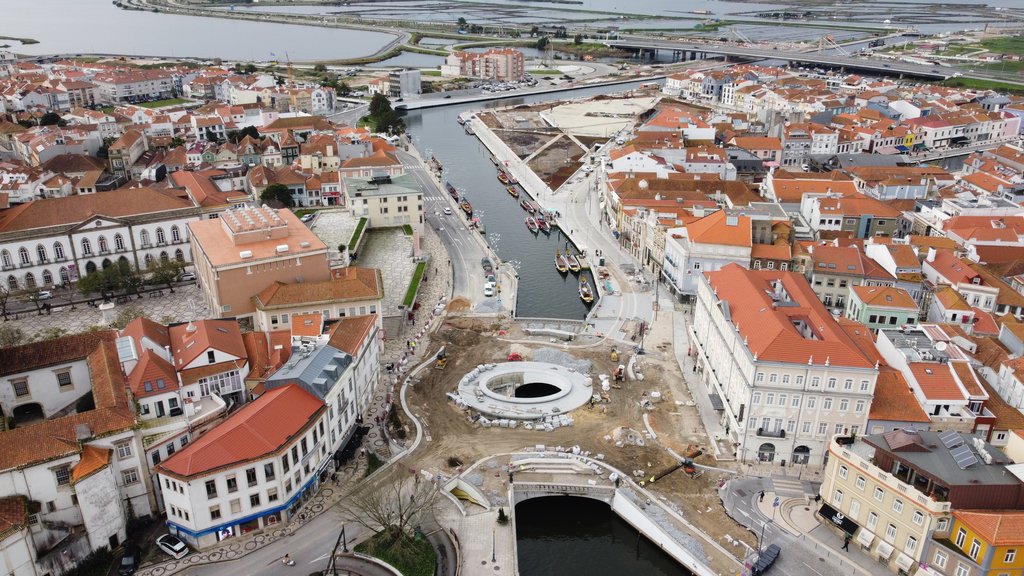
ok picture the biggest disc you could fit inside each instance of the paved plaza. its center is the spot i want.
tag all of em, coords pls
(390, 250)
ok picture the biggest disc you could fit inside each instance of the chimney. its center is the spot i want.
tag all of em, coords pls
(931, 255)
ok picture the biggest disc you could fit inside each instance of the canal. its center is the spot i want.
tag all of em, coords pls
(568, 536)
(543, 292)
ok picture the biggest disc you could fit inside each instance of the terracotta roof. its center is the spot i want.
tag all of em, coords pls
(190, 340)
(193, 375)
(73, 210)
(259, 429)
(152, 375)
(936, 381)
(266, 352)
(968, 378)
(996, 527)
(92, 460)
(310, 325)
(143, 327)
(951, 299)
(349, 334)
(1007, 417)
(770, 331)
(885, 297)
(350, 283)
(777, 251)
(1007, 295)
(893, 400)
(13, 514)
(379, 158)
(16, 359)
(720, 228)
(984, 323)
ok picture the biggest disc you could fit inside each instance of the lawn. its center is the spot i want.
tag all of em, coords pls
(1006, 45)
(984, 85)
(545, 72)
(1006, 66)
(357, 234)
(166, 102)
(430, 72)
(412, 556)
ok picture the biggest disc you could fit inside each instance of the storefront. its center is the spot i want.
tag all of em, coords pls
(838, 519)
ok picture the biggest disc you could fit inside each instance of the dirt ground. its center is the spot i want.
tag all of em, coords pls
(556, 163)
(453, 438)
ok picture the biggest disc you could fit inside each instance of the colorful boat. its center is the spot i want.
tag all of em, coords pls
(586, 292)
(469, 130)
(460, 120)
(494, 160)
(466, 207)
(543, 225)
(511, 179)
(437, 164)
(531, 224)
(561, 264)
(574, 263)
(527, 206)
(503, 178)
(452, 191)
(513, 191)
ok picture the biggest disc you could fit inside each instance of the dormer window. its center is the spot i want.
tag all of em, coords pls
(976, 280)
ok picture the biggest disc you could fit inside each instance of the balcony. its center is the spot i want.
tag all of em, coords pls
(780, 433)
(195, 414)
(861, 456)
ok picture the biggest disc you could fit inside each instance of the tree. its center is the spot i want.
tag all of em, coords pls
(389, 123)
(131, 280)
(534, 31)
(51, 333)
(126, 315)
(52, 118)
(236, 136)
(10, 336)
(578, 39)
(5, 297)
(277, 195)
(396, 504)
(164, 273)
(319, 68)
(250, 68)
(542, 42)
(177, 141)
(378, 104)
(462, 22)
(100, 282)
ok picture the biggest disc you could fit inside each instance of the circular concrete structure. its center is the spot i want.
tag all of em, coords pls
(523, 390)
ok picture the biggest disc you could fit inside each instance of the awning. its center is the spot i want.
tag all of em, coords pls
(716, 402)
(865, 538)
(903, 149)
(904, 561)
(838, 519)
(884, 550)
(959, 139)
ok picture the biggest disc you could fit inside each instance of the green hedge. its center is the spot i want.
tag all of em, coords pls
(414, 284)
(407, 229)
(412, 556)
(357, 234)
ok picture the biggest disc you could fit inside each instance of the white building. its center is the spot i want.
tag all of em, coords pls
(781, 372)
(56, 241)
(251, 472)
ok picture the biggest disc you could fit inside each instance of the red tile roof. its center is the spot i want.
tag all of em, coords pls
(92, 460)
(349, 334)
(996, 527)
(720, 228)
(936, 381)
(16, 359)
(190, 340)
(770, 331)
(259, 429)
(267, 351)
(893, 400)
(152, 375)
(13, 514)
(885, 297)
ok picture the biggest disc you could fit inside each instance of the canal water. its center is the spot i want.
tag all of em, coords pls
(568, 536)
(543, 291)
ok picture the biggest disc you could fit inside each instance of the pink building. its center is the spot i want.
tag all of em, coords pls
(501, 64)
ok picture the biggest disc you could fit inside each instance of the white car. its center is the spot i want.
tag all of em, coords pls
(489, 289)
(187, 277)
(447, 211)
(45, 294)
(174, 547)
(587, 169)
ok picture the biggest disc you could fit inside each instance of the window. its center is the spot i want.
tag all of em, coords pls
(58, 250)
(942, 525)
(815, 381)
(64, 378)
(773, 378)
(827, 404)
(838, 429)
(272, 495)
(236, 506)
(918, 517)
(170, 449)
(1010, 556)
(5, 256)
(86, 247)
(118, 242)
(759, 377)
(268, 471)
(844, 405)
(859, 406)
(20, 387)
(156, 458)
(124, 450)
(232, 484)
(211, 489)
(161, 238)
(961, 536)
(785, 378)
(250, 477)
(769, 399)
(214, 512)
(102, 242)
(144, 238)
(872, 520)
(796, 402)
(843, 471)
(130, 476)
(782, 399)
(879, 494)
(62, 475)
(897, 506)
(941, 558)
(41, 253)
(211, 356)
(975, 548)
(822, 428)
(175, 234)
(831, 383)
(859, 483)
(756, 398)
(254, 500)
(911, 545)
(890, 532)
(837, 498)
(284, 464)
(23, 256)
(811, 401)
(962, 570)
(854, 507)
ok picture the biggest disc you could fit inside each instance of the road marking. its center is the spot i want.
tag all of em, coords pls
(812, 569)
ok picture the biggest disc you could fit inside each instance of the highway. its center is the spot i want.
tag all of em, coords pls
(887, 67)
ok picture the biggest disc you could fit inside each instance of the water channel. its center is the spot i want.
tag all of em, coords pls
(543, 292)
(582, 537)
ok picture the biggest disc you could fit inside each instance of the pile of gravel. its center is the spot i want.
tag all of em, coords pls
(492, 306)
(561, 358)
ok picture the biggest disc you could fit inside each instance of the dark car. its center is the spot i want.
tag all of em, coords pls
(765, 560)
(129, 562)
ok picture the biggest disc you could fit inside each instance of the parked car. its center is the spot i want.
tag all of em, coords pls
(489, 289)
(45, 294)
(187, 277)
(308, 217)
(174, 547)
(129, 562)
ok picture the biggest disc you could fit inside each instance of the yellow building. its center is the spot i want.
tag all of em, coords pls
(981, 543)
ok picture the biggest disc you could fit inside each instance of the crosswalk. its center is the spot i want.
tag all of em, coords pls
(788, 487)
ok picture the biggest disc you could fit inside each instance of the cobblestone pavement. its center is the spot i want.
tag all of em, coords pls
(186, 303)
(390, 250)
